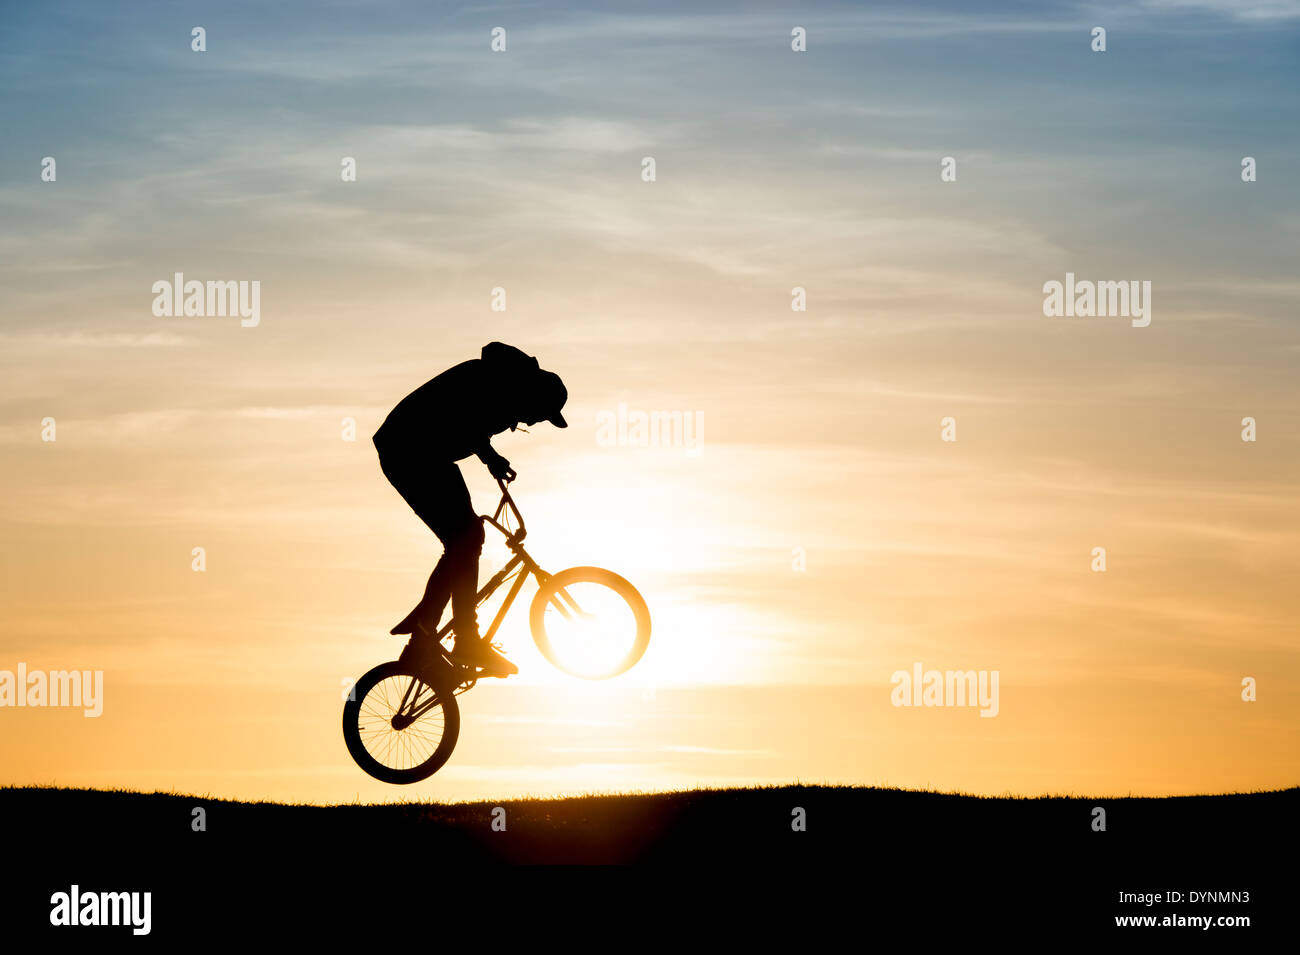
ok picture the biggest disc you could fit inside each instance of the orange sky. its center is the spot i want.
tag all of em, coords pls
(821, 429)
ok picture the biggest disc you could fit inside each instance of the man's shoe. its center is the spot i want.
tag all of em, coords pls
(479, 653)
(409, 622)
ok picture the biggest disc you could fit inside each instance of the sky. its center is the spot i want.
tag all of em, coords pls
(820, 535)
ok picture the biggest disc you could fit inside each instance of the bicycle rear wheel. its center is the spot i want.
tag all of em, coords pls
(398, 726)
(590, 622)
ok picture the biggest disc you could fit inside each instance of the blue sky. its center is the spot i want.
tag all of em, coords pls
(775, 169)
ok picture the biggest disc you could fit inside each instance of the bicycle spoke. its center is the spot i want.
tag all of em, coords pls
(589, 627)
(559, 604)
(412, 745)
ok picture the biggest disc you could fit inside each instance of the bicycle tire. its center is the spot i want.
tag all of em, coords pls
(594, 575)
(352, 726)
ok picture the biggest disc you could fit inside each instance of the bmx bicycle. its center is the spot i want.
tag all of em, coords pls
(401, 720)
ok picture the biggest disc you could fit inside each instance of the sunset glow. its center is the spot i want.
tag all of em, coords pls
(797, 524)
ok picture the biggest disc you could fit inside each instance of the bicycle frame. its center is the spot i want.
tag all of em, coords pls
(434, 676)
(505, 512)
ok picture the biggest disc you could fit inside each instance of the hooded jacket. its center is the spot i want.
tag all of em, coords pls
(456, 414)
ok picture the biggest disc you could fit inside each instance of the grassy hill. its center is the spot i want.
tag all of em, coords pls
(1025, 855)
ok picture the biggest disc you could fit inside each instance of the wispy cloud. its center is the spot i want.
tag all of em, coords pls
(82, 339)
(1249, 11)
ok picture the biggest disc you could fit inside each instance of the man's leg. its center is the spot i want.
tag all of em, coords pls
(462, 558)
(437, 593)
(438, 495)
(445, 506)
(461, 561)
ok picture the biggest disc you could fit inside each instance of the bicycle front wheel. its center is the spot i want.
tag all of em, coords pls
(399, 727)
(590, 622)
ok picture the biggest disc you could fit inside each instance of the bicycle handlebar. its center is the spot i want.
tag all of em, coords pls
(507, 502)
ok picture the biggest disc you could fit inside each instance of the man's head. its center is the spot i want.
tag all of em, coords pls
(533, 394)
(544, 400)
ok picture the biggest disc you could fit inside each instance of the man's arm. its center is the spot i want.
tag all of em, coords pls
(498, 466)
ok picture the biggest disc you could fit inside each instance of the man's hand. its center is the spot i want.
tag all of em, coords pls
(500, 468)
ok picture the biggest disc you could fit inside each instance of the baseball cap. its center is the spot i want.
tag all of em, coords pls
(551, 396)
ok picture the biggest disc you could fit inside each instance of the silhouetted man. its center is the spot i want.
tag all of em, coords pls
(446, 419)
